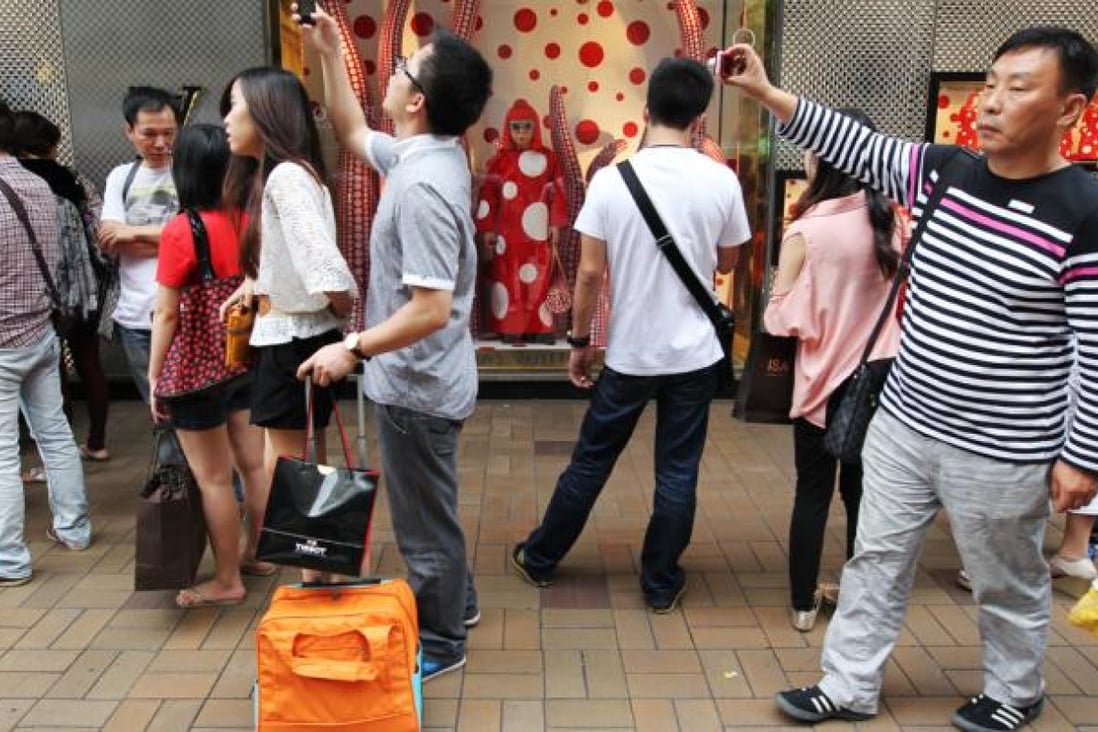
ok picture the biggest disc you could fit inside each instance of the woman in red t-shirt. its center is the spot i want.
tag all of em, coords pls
(213, 425)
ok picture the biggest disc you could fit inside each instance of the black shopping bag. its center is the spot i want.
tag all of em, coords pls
(318, 516)
(171, 528)
(766, 388)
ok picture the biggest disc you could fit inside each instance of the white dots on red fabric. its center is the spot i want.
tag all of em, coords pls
(528, 273)
(500, 300)
(483, 210)
(535, 221)
(510, 190)
(501, 245)
(533, 163)
(545, 316)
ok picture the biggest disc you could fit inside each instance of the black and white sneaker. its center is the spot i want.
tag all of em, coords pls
(812, 705)
(984, 714)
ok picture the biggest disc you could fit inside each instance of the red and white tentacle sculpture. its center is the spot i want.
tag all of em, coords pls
(390, 43)
(604, 157)
(693, 46)
(357, 185)
(574, 192)
(463, 23)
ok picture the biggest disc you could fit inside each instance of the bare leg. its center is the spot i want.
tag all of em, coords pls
(246, 441)
(208, 454)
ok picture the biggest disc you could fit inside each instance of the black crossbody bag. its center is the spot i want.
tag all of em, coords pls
(849, 416)
(722, 318)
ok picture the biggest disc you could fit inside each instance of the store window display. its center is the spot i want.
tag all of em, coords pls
(519, 217)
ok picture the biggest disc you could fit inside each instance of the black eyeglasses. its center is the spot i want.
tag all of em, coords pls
(401, 64)
(522, 126)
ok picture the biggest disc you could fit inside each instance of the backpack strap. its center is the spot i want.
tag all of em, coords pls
(130, 175)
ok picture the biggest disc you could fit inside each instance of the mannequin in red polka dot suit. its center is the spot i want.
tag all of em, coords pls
(519, 220)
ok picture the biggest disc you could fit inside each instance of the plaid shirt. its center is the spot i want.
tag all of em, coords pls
(24, 302)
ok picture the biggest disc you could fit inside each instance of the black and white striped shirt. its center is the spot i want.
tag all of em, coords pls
(1003, 295)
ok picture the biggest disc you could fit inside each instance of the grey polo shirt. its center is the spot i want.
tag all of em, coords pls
(423, 237)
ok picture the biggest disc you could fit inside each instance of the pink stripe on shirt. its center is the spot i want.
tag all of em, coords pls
(1003, 228)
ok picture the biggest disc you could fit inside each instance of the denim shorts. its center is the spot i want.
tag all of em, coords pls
(210, 408)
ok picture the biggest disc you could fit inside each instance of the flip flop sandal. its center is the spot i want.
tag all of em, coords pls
(96, 456)
(192, 598)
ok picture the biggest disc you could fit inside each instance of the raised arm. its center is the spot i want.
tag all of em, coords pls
(347, 118)
(887, 164)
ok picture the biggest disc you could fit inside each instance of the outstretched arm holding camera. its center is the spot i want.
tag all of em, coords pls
(347, 117)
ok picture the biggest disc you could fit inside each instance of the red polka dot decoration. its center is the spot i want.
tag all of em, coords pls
(423, 24)
(599, 52)
(525, 20)
(364, 26)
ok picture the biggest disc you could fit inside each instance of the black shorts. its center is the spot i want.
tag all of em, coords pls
(208, 409)
(278, 397)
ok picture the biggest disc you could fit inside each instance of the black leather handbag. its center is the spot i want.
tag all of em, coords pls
(719, 314)
(318, 516)
(848, 423)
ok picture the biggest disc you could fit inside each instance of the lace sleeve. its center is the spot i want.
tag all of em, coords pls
(308, 226)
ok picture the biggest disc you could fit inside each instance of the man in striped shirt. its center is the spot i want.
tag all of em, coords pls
(973, 416)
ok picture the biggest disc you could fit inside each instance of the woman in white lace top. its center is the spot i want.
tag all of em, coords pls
(301, 284)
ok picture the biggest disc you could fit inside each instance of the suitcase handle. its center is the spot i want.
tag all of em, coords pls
(377, 640)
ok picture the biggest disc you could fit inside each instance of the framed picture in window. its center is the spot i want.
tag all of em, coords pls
(953, 104)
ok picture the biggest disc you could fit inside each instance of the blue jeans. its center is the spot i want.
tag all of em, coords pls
(29, 381)
(136, 345)
(682, 419)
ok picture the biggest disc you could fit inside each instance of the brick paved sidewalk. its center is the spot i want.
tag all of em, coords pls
(80, 650)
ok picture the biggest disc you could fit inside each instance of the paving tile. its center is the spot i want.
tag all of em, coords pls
(655, 715)
(37, 660)
(82, 675)
(564, 675)
(588, 713)
(116, 681)
(26, 684)
(173, 686)
(132, 714)
(528, 716)
(605, 672)
(226, 713)
(69, 713)
(174, 715)
(477, 715)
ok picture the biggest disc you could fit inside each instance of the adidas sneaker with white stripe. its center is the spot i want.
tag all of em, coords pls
(984, 714)
(810, 704)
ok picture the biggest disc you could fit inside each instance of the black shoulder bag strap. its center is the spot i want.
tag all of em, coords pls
(667, 245)
(945, 178)
(201, 246)
(21, 213)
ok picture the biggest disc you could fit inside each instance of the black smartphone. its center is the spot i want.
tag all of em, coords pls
(305, 10)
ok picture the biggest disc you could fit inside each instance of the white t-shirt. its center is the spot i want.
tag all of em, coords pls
(151, 200)
(656, 327)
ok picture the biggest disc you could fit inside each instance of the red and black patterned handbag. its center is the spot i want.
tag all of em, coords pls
(196, 358)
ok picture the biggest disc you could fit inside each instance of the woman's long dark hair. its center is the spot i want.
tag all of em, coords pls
(199, 161)
(829, 182)
(279, 108)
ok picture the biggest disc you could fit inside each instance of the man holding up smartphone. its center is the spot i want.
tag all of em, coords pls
(421, 367)
(973, 415)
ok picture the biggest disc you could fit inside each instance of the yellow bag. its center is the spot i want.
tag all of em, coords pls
(1085, 612)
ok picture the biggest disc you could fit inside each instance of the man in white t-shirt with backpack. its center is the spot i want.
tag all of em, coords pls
(138, 200)
(662, 346)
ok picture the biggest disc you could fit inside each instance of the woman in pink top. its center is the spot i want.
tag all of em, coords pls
(836, 264)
